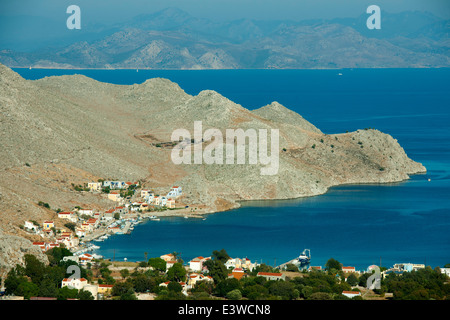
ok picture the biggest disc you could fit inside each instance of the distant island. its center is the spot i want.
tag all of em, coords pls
(173, 39)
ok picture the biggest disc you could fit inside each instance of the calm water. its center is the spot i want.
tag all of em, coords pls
(358, 225)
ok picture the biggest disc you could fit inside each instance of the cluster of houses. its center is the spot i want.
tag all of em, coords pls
(197, 270)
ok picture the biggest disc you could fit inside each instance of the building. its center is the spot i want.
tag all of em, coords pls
(445, 271)
(245, 263)
(348, 269)
(68, 215)
(196, 264)
(88, 212)
(95, 186)
(48, 225)
(168, 257)
(408, 267)
(175, 191)
(170, 203)
(74, 283)
(271, 275)
(114, 196)
(193, 278)
(237, 273)
(351, 294)
(104, 288)
(115, 184)
(30, 226)
(316, 268)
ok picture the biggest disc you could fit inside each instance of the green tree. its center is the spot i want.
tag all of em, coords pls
(221, 255)
(85, 295)
(27, 290)
(333, 264)
(48, 288)
(227, 285)
(67, 293)
(320, 296)
(216, 270)
(176, 273)
(34, 268)
(352, 280)
(124, 273)
(234, 295)
(157, 264)
(174, 286)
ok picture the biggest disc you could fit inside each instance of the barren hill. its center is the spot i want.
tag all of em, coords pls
(72, 129)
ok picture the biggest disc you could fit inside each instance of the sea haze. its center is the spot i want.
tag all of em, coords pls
(357, 224)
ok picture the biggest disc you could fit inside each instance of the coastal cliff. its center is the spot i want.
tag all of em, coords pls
(72, 129)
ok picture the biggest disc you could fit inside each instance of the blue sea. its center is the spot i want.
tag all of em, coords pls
(358, 225)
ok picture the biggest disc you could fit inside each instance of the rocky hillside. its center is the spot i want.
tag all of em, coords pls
(71, 129)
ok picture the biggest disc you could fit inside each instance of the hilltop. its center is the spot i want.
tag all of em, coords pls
(72, 129)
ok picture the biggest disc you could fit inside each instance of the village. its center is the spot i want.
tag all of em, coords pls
(133, 206)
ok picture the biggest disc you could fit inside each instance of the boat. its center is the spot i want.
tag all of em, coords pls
(304, 258)
(157, 219)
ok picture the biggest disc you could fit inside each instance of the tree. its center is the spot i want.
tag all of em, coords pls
(174, 286)
(157, 264)
(320, 296)
(227, 285)
(85, 295)
(71, 226)
(333, 264)
(176, 273)
(15, 277)
(27, 290)
(352, 280)
(221, 255)
(67, 293)
(48, 289)
(234, 295)
(34, 268)
(216, 270)
(124, 273)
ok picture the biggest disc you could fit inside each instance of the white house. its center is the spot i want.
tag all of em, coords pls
(271, 275)
(70, 215)
(175, 191)
(89, 212)
(74, 283)
(115, 184)
(196, 264)
(30, 226)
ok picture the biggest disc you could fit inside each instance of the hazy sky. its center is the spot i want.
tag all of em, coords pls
(110, 11)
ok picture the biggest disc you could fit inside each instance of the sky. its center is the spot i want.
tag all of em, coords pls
(111, 11)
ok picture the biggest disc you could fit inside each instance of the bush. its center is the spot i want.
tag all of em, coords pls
(234, 295)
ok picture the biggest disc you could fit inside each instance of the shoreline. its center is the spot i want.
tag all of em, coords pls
(145, 217)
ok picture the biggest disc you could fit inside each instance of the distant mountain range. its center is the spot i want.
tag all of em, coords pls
(173, 39)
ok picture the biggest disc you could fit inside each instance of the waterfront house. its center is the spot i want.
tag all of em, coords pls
(351, 294)
(163, 201)
(271, 275)
(156, 200)
(245, 263)
(170, 203)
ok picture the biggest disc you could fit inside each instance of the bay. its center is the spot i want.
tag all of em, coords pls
(358, 225)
